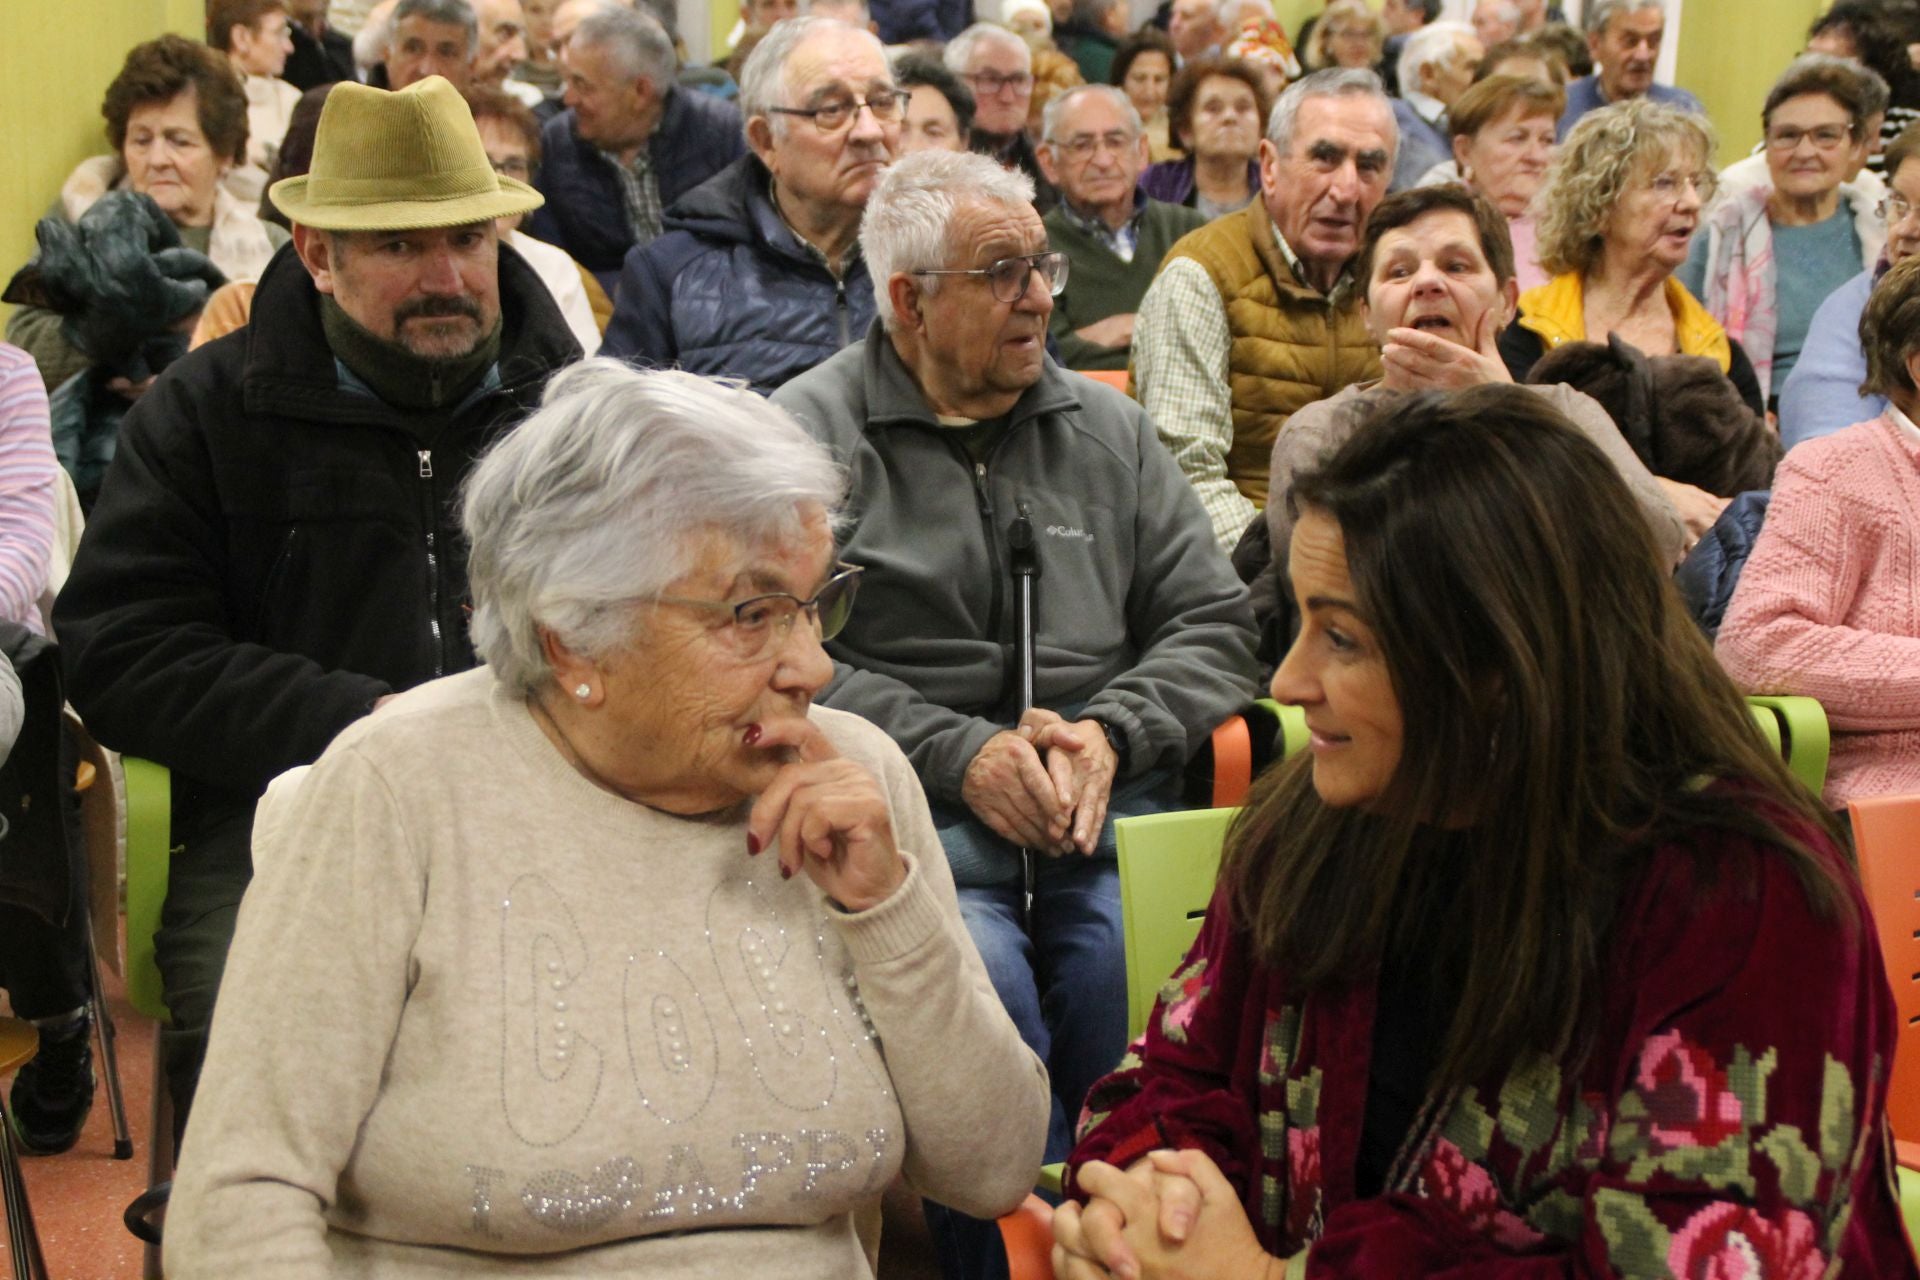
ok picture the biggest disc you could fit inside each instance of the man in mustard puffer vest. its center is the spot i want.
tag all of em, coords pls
(1255, 316)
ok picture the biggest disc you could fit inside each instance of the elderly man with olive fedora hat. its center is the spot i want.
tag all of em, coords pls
(276, 547)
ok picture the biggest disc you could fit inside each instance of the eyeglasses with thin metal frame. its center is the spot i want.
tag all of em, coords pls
(1009, 277)
(762, 623)
(1786, 138)
(988, 84)
(1893, 210)
(1668, 186)
(887, 106)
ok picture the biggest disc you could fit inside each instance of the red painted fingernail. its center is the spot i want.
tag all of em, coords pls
(753, 843)
(752, 735)
(786, 872)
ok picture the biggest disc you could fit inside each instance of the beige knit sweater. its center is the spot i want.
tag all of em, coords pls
(483, 1017)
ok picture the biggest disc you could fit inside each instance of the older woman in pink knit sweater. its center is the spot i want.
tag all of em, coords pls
(1829, 602)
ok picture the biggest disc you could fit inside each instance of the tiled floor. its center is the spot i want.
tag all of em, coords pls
(78, 1196)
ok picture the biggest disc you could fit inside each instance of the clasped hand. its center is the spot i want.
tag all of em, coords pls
(1171, 1216)
(1045, 783)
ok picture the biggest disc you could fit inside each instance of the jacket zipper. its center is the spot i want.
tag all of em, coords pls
(433, 564)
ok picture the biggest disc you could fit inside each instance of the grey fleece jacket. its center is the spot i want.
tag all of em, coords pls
(1141, 620)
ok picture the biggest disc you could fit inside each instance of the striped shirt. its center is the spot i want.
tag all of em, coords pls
(29, 485)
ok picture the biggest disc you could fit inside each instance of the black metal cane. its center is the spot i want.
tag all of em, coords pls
(1025, 561)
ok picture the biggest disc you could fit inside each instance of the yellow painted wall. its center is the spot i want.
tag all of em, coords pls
(724, 14)
(59, 61)
(1731, 51)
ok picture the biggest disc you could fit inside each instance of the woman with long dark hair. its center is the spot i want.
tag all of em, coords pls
(1539, 962)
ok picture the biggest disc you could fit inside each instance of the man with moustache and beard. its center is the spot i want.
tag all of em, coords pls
(759, 274)
(276, 548)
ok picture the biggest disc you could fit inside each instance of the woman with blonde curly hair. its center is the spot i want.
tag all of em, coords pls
(1622, 201)
(1617, 216)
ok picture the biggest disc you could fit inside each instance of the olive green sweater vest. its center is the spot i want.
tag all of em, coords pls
(1099, 284)
(1291, 345)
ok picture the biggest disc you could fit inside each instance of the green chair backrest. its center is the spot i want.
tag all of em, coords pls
(1168, 863)
(1799, 731)
(1293, 727)
(149, 853)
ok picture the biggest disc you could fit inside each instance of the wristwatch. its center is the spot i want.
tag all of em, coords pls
(1115, 739)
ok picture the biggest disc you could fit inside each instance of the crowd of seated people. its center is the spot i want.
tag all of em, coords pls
(627, 574)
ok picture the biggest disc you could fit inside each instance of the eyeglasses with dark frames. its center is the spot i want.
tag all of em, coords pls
(1009, 277)
(887, 106)
(760, 623)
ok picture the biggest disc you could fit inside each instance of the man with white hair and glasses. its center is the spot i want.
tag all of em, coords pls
(759, 275)
(998, 66)
(1112, 233)
(971, 455)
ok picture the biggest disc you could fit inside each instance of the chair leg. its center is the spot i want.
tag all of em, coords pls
(159, 1153)
(109, 1056)
(22, 1239)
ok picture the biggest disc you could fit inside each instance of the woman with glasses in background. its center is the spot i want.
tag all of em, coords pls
(1823, 394)
(601, 942)
(1772, 254)
(1622, 201)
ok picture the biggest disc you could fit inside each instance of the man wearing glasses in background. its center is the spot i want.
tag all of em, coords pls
(998, 67)
(758, 274)
(1113, 235)
(968, 450)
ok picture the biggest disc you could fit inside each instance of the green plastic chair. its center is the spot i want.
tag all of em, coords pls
(1799, 731)
(1168, 863)
(149, 855)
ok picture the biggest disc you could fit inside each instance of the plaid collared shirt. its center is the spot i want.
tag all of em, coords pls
(640, 193)
(1181, 350)
(1120, 243)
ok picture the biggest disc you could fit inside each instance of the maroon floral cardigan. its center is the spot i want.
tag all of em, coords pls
(1731, 1124)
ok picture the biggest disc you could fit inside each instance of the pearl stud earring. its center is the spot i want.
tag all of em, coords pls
(583, 691)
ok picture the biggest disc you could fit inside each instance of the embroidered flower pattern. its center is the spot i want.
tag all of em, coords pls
(1732, 1242)
(1469, 1190)
(1180, 999)
(1303, 1180)
(1688, 1101)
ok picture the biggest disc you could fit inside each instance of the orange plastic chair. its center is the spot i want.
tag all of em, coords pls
(1115, 378)
(1232, 762)
(1028, 1234)
(1886, 831)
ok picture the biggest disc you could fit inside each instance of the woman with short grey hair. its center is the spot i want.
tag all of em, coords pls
(601, 941)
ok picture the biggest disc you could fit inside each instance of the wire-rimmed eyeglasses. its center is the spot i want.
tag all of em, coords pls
(887, 106)
(1009, 277)
(761, 622)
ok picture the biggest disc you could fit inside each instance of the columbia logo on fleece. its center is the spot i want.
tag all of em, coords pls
(1068, 531)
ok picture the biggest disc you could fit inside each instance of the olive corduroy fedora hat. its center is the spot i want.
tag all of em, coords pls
(399, 162)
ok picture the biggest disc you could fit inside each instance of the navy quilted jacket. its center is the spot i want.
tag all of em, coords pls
(699, 135)
(1710, 572)
(729, 291)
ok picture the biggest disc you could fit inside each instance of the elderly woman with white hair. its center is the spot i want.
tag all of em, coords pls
(620, 955)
